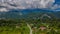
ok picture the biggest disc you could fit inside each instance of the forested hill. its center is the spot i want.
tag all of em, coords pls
(24, 13)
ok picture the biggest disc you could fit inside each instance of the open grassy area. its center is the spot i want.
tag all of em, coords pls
(24, 29)
(29, 26)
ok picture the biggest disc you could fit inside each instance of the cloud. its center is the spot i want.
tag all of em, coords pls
(25, 4)
(3, 10)
(56, 6)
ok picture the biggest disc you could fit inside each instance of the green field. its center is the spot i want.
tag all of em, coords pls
(23, 26)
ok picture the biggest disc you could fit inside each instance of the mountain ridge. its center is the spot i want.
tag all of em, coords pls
(24, 13)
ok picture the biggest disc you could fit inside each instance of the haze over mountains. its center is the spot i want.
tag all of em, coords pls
(28, 13)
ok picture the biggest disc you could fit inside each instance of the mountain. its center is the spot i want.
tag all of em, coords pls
(25, 13)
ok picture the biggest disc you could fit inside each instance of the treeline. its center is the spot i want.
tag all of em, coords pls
(11, 22)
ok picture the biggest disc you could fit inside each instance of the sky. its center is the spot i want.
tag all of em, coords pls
(57, 2)
(6, 5)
